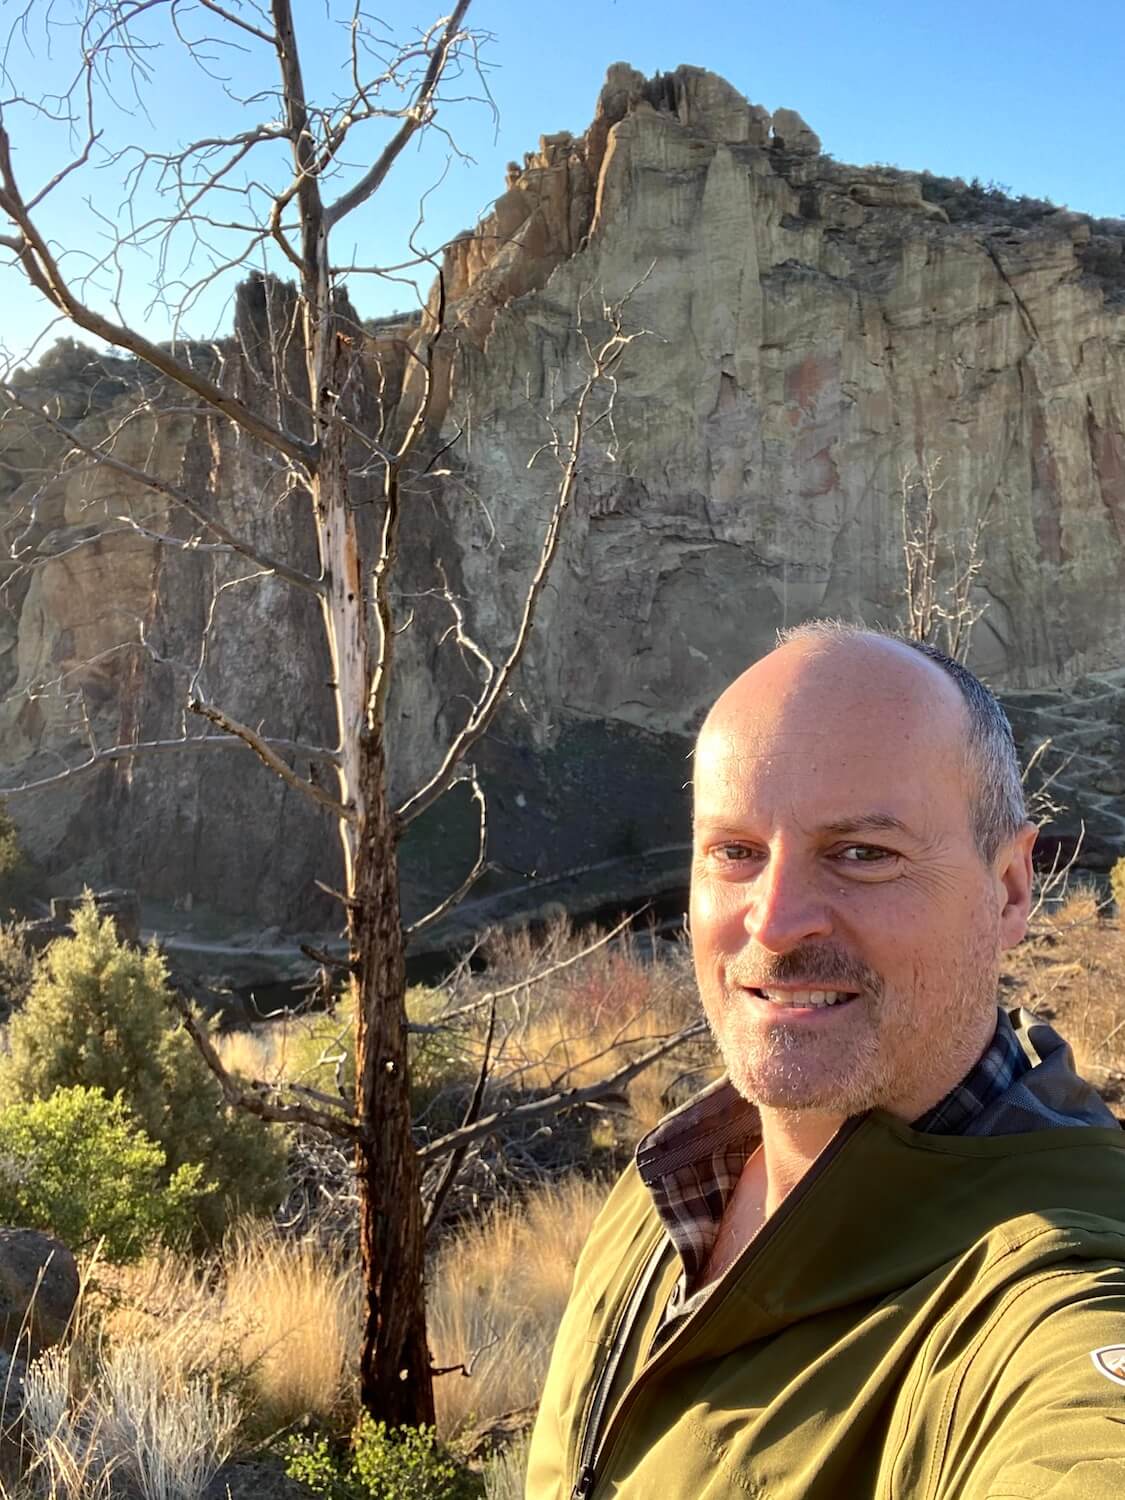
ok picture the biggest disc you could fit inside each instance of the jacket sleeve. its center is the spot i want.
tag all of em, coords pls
(1039, 1413)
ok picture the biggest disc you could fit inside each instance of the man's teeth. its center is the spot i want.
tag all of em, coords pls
(804, 997)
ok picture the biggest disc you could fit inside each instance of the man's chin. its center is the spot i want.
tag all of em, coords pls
(803, 1096)
(835, 1084)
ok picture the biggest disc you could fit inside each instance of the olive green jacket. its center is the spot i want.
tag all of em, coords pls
(920, 1320)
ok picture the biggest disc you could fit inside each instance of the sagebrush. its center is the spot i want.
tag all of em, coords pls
(98, 1016)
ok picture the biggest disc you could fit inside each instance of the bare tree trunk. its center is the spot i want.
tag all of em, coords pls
(395, 1380)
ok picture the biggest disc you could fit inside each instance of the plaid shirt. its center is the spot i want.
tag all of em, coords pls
(692, 1161)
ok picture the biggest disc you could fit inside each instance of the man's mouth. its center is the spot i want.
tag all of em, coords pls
(801, 999)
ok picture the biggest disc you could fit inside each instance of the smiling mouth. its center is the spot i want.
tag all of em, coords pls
(792, 999)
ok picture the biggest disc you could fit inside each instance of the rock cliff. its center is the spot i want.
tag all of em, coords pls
(811, 331)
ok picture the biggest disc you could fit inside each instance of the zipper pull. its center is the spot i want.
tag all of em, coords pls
(584, 1483)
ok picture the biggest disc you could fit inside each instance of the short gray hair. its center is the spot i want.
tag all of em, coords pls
(997, 807)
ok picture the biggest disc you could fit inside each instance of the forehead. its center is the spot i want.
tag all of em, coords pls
(826, 748)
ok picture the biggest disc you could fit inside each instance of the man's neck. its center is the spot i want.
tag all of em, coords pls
(791, 1141)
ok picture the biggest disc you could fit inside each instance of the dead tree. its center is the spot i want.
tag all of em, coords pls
(941, 567)
(317, 445)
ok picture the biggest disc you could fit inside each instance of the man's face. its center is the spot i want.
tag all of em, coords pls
(834, 859)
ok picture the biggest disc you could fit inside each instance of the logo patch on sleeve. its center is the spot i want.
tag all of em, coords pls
(1110, 1362)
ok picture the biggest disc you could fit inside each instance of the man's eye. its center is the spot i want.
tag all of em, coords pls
(731, 853)
(863, 854)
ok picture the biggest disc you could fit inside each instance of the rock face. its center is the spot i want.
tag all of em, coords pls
(811, 331)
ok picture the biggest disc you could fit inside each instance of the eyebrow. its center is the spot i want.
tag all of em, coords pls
(872, 822)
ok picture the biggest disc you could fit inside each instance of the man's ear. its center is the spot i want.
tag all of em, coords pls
(1014, 875)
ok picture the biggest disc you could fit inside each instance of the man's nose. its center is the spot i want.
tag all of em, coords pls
(786, 907)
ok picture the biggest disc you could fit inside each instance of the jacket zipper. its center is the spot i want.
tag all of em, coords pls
(596, 1446)
(603, 1385)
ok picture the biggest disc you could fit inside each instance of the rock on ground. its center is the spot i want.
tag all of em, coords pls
(38, 1290)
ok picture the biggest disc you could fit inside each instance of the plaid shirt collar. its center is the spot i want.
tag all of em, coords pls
(693, 1159)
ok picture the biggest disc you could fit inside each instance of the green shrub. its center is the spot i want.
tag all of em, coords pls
(98, 1016)
(1117, 886)
(406, 1463)
(77, 1166)
(18, 966)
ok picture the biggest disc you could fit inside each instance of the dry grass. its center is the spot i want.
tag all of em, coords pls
(1071, 971)
(121, 1425)
(497, 1294)
(173, 1361)
(504, 1474)
(274, 1320)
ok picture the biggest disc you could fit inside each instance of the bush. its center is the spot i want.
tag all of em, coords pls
(18, 966)
(1117, 886)
(76, 1166)
(407, 1463)
(98, 1016)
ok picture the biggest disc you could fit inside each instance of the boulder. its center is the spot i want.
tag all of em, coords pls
(252, 1479)
(38, 1290)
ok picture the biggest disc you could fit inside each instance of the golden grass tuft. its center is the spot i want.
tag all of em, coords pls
(300, 1314)
(497, 1293)
(275, 1320)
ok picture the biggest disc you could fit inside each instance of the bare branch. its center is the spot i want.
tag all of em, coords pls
(236, 20)
(934, 609)
(1051, 885)
(442, 1023)
(172, 492)
(602, 362)
(455, 897)
(392, 510)
(419, 113)
(265, 753)
(456, 1157)
(254, 1097)
(563, 1099)
(42, 270)
(116, 753)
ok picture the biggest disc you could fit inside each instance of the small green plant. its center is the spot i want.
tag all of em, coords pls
(1117, 886)
(77, 1166)
(406, 1463)
(98, 1016)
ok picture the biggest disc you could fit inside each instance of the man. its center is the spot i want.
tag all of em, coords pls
(884, 1259)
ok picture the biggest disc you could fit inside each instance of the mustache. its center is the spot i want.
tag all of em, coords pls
(812, 966)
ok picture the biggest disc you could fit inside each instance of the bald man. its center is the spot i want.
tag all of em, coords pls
(884, 1256)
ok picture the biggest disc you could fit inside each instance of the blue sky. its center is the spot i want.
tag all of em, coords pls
(1024, 94)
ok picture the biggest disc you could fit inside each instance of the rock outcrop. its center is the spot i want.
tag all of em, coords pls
(811, 332)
